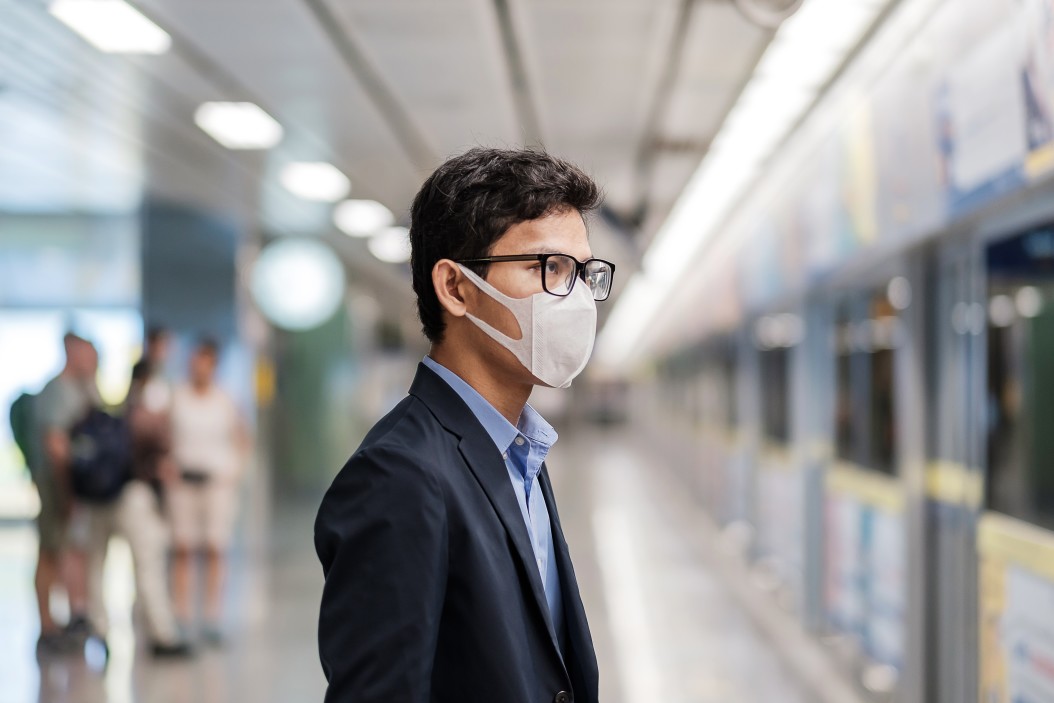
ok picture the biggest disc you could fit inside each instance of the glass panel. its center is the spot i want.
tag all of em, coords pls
(865, 339)
(1020, 404)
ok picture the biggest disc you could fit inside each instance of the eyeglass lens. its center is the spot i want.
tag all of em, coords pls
(559, 276)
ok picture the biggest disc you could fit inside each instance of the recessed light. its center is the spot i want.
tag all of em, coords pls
(112, 26)
(391, 245)
(361, 218)
(238, 125)
(316, 181)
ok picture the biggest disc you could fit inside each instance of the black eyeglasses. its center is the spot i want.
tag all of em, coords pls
(560, 271)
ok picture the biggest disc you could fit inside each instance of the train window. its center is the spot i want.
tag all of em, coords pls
(774, 395)
(1020, 384)
(774, 337)
(717, 387)
(865, 339)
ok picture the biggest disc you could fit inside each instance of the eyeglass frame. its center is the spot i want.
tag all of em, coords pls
(580, 267)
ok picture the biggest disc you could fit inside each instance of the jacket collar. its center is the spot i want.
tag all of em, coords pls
(487, 465)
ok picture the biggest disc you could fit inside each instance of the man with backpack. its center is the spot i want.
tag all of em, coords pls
(112, 471)
(64, 401)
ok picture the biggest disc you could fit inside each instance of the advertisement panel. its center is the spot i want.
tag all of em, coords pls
(1016, 611)
(980, 114)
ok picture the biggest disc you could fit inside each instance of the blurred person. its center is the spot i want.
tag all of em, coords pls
(209, 448)
(134, 513)
(447, 574)
(63, 402)
(157, 390)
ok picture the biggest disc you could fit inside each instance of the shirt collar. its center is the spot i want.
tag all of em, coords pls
(501, 431)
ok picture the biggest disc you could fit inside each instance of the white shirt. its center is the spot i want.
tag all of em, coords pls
(205, 431)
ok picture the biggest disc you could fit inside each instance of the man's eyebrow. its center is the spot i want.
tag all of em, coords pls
(542, 250)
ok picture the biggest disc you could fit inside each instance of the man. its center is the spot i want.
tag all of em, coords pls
(447, 574)
(63, 402)
(134, 514)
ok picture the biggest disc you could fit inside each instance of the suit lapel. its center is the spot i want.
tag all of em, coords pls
(488, 467)
(584, 675)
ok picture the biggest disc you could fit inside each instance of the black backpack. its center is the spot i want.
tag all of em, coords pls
(100, 457)
(22, 425)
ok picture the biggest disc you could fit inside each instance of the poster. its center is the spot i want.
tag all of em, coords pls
(980, 115)
(844, 589)
(1037, 82)
(1016, 611)
(886, 591)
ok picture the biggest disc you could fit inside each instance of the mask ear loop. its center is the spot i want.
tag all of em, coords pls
(509, 302)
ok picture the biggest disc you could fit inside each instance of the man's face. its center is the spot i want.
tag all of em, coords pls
(202, 366)
(158, 350)
(560, 233)
(83, 359)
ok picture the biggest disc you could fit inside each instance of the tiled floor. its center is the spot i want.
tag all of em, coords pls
(665, 628)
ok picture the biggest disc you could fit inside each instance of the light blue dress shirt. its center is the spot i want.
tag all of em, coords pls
(524, 447)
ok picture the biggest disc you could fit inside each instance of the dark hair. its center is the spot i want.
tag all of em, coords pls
(155, 334)
(471, 200)
(208, 346)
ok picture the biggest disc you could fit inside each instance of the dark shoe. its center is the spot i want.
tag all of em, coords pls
(55, 644)
(79, 629)
(174, 650)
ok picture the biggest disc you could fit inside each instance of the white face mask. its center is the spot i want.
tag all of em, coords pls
(556, 333)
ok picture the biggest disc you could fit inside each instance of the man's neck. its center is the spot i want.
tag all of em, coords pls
(507, 398)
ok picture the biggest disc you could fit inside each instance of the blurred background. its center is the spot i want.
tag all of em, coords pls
(810, 459)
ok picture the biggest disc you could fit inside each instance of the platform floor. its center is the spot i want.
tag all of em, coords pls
(666, 626)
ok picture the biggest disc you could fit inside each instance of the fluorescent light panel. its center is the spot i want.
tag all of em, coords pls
(112, 26)
(361, 218)
(391, 245)
(316, 181)
(238, 125)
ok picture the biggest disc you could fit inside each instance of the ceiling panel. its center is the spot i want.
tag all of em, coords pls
(445, 63)
(605, 79)
(283, 59)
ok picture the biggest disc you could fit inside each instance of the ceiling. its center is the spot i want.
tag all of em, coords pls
(632, 90)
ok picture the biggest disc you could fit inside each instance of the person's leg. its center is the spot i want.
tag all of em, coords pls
(47, 575)
(139, 521)
(101, 526)
(51, 533)
(182, 518)
(220, 506)
(216, 568)
(74, 565)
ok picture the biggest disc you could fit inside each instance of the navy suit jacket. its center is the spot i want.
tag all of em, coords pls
(432, 593)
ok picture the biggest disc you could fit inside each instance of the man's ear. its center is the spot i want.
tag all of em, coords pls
(449, 284)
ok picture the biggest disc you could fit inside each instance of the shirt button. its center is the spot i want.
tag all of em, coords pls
(519, 441)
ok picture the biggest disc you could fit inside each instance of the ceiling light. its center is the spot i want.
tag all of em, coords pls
(238, 125)
(316, 181)
(112, 26)
(391, 245)
(361, 218)
(298, 283)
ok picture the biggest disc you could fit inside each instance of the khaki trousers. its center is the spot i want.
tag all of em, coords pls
(135, 517)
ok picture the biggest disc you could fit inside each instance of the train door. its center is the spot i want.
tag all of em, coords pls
(1015, 534)
(777, 337)
(867, 521)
